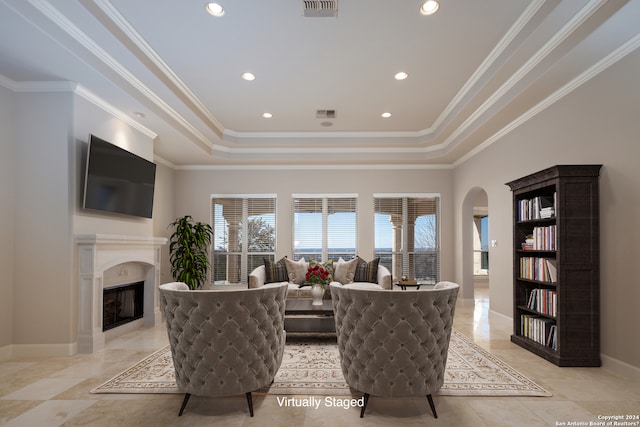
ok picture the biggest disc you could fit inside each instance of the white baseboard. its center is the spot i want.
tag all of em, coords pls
(609, 363)
(621, 368)
(5, 353)
(16, 351)
(504, 316)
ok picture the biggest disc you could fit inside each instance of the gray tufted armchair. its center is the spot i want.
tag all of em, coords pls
(224, 343)
(394, 343)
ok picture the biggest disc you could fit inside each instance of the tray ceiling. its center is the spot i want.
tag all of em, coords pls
(475, 71)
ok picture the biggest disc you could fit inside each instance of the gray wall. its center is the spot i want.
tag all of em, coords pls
(43, 139)
(43, 234)
(598, 123)
(8, 147)
(193, 191)
(163, 214)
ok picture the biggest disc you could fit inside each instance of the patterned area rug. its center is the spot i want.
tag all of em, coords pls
(311, 366)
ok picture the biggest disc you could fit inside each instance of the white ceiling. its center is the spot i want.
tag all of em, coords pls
(476, 70)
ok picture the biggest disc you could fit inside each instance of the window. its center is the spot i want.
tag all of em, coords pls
(324, 227)
(481, 245)
(407, 235)
(244, 233)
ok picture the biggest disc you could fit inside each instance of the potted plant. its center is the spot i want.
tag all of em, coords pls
(188, 251)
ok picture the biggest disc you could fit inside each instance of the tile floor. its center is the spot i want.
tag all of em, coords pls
(55, 392)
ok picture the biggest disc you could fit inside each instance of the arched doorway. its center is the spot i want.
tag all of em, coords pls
(475, 243)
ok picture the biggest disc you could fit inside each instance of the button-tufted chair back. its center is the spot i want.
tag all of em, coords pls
(224, 342)
(394, 343)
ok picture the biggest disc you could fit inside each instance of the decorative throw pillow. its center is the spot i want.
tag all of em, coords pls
(296, 270)
(327, 265)
(345, 271)
(275, 271)
(367, 271)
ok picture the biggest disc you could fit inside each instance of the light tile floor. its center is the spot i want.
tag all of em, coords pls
(55, 391)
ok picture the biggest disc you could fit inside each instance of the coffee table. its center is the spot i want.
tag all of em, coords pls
(301, 316)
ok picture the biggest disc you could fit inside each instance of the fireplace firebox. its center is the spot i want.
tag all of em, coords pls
(122, 304)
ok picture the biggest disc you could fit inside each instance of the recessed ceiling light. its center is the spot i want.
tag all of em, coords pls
(139, 115)
(429, 7)
(401, 75)
(267, 115)
(248, 76)
(386, 115)
(214, 9)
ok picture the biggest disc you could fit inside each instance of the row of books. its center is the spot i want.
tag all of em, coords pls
(540, 269)
(543, 301)
(539, 207)
(542, 239)
(540, 330)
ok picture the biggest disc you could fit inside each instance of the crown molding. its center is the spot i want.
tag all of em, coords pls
(252, 167)
(63, 23)
(234, 136)
(569, 28)
(230, 135)
(7, 83)
(119, 114)
(81, 91)
(500, 48)
(165, 162)
(622, 51)
(37, 86)
(134, 37)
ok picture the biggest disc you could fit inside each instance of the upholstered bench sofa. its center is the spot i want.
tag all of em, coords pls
(353, 273)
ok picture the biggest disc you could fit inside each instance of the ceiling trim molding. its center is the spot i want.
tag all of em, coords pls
(33, 86)
(326, 134)
(528, 14)
(531, 10)
(165, 162)
(569, 28)
(450, 141)
(7, 83)
(118, 114)
(66, 86)
(314, 167)
(134, 37)
(318, 150)
(622, 51)
(57, 18)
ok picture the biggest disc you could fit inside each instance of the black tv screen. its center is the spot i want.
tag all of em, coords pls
(117, 180)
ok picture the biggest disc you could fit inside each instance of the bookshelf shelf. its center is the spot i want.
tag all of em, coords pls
(556, 257)
(524, 308)
(536, 282)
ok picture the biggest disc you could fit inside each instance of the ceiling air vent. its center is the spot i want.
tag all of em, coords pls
(326, 114)
(320, 8)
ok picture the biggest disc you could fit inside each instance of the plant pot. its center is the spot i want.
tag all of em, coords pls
(317, 292)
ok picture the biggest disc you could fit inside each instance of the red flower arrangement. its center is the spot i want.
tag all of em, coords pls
(317, 275)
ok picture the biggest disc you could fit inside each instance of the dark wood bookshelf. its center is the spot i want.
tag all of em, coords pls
(574, 188)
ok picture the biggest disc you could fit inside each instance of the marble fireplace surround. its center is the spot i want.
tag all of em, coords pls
(106, 260)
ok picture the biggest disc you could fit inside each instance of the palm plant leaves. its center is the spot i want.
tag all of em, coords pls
(188, 248)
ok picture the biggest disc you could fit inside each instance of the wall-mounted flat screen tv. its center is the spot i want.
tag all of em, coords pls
(117, 180)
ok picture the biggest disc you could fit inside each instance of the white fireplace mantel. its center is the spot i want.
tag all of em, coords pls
(100, 252)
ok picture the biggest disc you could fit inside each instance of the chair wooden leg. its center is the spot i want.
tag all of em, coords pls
(250, 403)
(366, 400)
(433, 407)
(184, 403)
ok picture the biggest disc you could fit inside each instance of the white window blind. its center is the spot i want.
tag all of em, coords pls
(324, 226)
(407, 235)
(244, 229)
